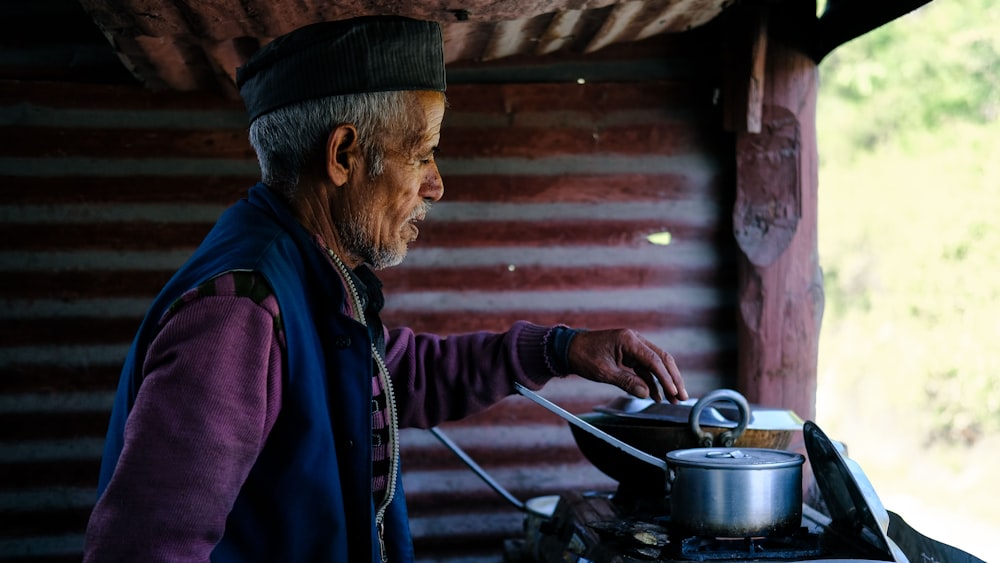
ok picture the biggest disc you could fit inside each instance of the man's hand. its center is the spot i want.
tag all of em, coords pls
(624, 358)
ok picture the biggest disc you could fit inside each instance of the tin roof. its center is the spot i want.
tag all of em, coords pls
(186, 45)
(189, 45)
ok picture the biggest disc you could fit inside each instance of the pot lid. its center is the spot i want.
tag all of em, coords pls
(734, 458)
(850, 513)
(718, 416)
(679, 413)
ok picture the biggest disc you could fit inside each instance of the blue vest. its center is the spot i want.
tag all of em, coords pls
(308, 496)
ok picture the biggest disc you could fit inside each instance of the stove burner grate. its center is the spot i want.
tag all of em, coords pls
(799, 545)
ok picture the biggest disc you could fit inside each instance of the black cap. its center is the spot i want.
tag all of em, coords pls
(366, 54)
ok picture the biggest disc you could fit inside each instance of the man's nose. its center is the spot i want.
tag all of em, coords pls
(432, 187)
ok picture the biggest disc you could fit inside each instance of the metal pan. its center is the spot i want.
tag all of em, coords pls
(656, 435)
(758, 475)
(723, 491)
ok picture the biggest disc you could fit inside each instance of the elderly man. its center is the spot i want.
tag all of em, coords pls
(257, 413)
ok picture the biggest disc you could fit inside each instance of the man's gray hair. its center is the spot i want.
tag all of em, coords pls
(292, 138)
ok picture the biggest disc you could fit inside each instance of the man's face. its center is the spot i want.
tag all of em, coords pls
(380, 217)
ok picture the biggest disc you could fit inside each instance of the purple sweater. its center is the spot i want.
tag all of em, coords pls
(211, 394)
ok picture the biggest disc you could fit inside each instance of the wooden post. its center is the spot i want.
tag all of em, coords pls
(774, 220)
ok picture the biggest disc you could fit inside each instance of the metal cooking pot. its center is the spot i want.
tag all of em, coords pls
(727, 492)
(735, 492)
(661, 428)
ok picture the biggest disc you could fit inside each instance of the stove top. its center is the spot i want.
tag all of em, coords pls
(796, 546)
(844, 522)
(600, 527)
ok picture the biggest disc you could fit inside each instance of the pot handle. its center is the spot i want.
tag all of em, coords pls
(725, 438)
(479, 471)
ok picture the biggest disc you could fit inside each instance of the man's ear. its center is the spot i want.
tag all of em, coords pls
(341, 148)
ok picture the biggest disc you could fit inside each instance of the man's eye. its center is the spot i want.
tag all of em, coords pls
(430, 158)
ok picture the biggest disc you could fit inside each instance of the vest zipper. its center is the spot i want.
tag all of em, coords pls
(380, 526)
(390, 400)
(390, 492)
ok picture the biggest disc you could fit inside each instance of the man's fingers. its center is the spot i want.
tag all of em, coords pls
(669, 375)
(649, 380)
(626, 359)
(659, 371)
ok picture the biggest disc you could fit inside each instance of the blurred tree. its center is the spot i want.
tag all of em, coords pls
(942, 67)
(909, 137)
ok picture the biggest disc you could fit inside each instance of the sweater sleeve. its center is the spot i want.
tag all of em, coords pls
(209, 398)
(447, 378)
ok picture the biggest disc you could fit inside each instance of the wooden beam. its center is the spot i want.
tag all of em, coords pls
(774, 220)
(755, 84)
(746, 54)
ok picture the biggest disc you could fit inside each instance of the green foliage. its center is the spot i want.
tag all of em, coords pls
(935, 66)
(909, 134)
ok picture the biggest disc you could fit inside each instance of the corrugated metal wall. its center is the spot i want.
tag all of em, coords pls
(550, 192)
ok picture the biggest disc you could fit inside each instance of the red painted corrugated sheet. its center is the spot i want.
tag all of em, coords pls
(550, 193)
